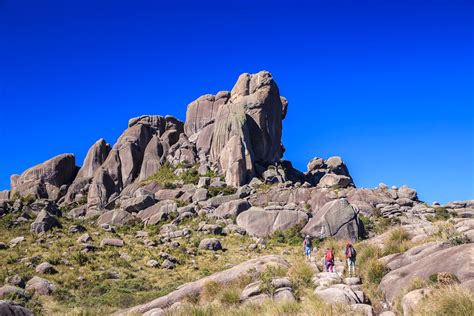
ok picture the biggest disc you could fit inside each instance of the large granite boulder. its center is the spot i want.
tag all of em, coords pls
(456, 260)
(194, 288)
(94, 159)
(259, 222)
(44, 222)
(232, 209)
(45, 180)
(337, 219)
(115, 218)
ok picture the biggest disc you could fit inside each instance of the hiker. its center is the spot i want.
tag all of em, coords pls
(308, 246)
(351, 254)
(329, 260)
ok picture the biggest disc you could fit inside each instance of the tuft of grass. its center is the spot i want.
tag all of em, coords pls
(230, 296)
(398, 241)
(447, 300)
(211, 290)
(301, 277)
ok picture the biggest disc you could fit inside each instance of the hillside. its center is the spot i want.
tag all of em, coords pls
(204, 217)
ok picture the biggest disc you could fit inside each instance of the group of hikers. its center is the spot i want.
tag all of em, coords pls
(349, 253)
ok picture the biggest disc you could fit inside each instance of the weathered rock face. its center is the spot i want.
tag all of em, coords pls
(94, 159)
(240, 130)
(45, 180)
(124, 162)
(202, 112)
(258, 94)
(455, 260)
(335, 219)
(259, 222)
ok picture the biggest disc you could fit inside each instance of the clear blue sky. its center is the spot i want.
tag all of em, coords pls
(387, 85)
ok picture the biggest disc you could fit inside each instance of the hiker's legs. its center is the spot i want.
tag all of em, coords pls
(350, 266)
(326, 264)
(331, 266)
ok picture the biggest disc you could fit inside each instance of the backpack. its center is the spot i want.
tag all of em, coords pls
(308, 242)
(352, 252)
(329, 256)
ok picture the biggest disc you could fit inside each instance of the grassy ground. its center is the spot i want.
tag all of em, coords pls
(84, 282)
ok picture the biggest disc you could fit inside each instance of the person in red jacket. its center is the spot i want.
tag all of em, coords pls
(329, 260)
(350, 254)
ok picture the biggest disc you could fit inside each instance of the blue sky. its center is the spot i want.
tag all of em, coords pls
(387, 85)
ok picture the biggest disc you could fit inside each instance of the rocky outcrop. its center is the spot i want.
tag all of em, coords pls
(94, 159)
(46, 179)
(455, 260)
(260, 222)
(336, 219)
(239, 132)
(124, 162)
(195, 288)
(330, 173)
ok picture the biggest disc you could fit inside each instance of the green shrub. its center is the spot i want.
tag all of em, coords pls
(165, 176)
(369, 225)
(80, 258)
(189, 176)
(375, 271)
(441, 214)
(290, 236)
(266, 279)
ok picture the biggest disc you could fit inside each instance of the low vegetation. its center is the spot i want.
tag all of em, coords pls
(447, 300)
(398, 241)
(168, 177)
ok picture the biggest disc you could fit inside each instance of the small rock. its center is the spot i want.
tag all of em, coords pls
(10, 290)
(40, 286)
(76, 229)
(16, 241)
(3, 246)
(112, 242)
(126, 257)
(210, 244)
(352, 281)
(200, 195)
(46, 268)
(108, 228)
(153, 263)
(203, 182)
(167, 264)
(84, 238)
(149, 243)
(15, 280)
